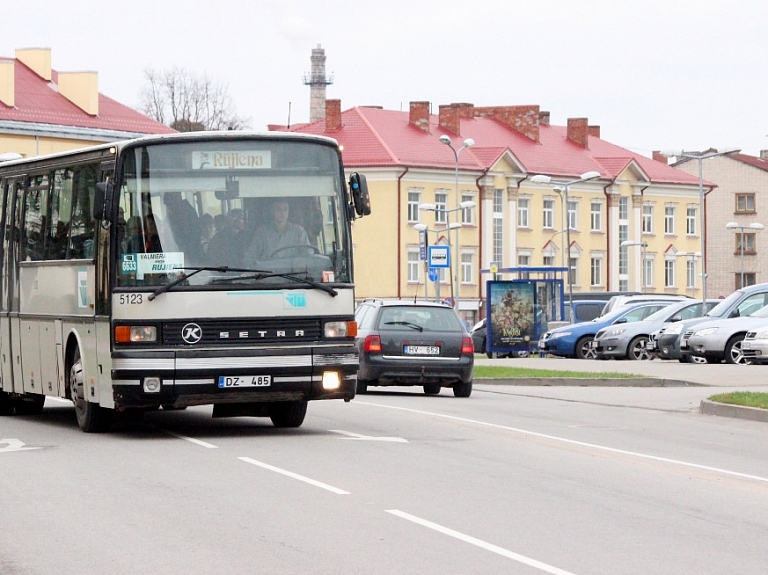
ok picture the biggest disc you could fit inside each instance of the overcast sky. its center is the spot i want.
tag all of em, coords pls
(653, 74)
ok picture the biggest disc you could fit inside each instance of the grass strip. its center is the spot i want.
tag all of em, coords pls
(743, 398)
(504, 372)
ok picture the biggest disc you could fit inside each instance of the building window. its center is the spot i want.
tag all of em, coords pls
(623, 236)
(572, 269)
(750, 279)
(548, 214)
(745, 203)
(467, 214)
(669, 273)
(441, 205)
(596, 271)
(414, 198)
(747, 241)
(669, 220)
(523, 213)
(444, 275)
(648, 273)
(596, 216)
(573, 207)
(414, 266)
(467, 268)
(647, 218)
(498, 226)
(690, 221)
(690, 274)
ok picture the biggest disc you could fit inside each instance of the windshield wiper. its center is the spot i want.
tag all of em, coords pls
(183, 277)
(409, 324)
(290, 276)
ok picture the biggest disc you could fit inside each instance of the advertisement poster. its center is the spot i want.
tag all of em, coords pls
(512, 317)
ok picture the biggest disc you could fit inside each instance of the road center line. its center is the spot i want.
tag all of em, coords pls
(319, 484)
(190, 439)
(574, 442)
(480, 543)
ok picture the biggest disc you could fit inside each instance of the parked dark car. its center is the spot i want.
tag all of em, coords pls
(413, 343)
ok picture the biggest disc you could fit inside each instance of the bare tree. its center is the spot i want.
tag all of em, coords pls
(188, 103)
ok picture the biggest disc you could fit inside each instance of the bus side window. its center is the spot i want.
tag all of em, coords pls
(81, 241)
(35, 216)
(57, 235)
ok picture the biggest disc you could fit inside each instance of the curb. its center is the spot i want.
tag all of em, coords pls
(728, 410)
(589, 382)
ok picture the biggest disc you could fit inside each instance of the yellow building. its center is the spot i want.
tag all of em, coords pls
(632, 225)
(44, 111)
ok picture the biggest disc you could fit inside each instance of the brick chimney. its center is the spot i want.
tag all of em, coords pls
(450, 118)
(82, 89)
(7, 83)
(543, 118)
(523, 119)
(578, 131)
(764, 154)
(659, 157)
(419, 115)
(332, 115)
(593, 131)
(466, 110)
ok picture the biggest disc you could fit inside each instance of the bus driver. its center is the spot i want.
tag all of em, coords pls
(277, 239)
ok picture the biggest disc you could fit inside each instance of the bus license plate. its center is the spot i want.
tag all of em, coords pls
(232, 381)
(422, 350)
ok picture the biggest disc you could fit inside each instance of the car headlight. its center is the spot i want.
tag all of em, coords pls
(557, 334)
(617, 331)
(673, 330)
(705, 331)
(761, 334)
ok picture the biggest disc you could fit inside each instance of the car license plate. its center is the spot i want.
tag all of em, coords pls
(421, 350)
(542, 344)
(592, 344)
(746, 345)
(232, 381)
(650, 345)
(683, 344)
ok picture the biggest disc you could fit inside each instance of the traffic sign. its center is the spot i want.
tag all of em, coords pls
(432, 274)
(439, 256)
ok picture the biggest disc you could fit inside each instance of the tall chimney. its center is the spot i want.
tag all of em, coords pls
(659, 157)
(317, 81)
(544, 118)
(419, 115)
(764, 154)
(332, 115)
(578, 131)
(593, 131)
(7, 83)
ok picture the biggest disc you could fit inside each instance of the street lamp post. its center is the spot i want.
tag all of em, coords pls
(735, 226)
(423, 228)
(700, 157)
(542, 179)
(642, 245)
(468, 143)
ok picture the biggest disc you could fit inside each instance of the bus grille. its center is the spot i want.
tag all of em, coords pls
(245, 332)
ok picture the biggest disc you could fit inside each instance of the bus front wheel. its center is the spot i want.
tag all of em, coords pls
(91, 417)
(288, 413)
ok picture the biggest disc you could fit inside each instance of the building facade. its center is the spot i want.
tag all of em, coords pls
(44, 111)
(630, 228)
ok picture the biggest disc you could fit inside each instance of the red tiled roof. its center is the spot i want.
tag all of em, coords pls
(38, 101)
(751, 160)
(373, 137)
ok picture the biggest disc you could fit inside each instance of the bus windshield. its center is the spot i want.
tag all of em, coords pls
(248, 212)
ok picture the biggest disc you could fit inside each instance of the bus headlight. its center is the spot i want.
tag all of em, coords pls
(340, 329)
(135, 333)
(331, 380)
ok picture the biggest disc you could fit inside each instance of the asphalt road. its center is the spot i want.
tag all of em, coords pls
(516, 479)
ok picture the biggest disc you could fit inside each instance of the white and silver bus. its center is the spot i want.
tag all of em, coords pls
(155, 273)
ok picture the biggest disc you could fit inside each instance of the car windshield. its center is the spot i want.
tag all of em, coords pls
(419, 319)
(666, 312)
(722, 308)
(241, 213)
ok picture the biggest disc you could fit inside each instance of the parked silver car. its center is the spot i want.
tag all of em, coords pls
(630, 340)
(721, 339)
(754, 348)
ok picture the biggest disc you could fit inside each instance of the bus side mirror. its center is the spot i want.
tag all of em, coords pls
(360, 198)
(102, 201)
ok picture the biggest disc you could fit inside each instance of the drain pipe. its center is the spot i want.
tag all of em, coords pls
(399, 232)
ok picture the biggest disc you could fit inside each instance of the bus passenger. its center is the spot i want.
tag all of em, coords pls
(226, 247)
(277, 239)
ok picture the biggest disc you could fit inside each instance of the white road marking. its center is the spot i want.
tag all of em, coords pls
(319, 484)
(574, 442)
(190, 439)
(15, 445)
(480, 543)
(359, 436)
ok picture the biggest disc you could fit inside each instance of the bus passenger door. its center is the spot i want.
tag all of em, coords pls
(9, 321)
